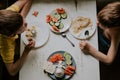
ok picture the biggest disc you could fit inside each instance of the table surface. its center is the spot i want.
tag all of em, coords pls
(87, 67)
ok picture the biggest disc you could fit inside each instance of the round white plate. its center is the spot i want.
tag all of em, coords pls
(82, 34)
(41, 37)
(66, 22)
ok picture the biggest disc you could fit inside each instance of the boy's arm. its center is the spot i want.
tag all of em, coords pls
(26, 9)
(14, 68)
(24, 6)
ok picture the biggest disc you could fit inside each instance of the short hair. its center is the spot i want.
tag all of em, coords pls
(109, 16)
(10, 22)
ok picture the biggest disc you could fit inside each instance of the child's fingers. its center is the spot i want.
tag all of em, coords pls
(31, 43)
(81, 45)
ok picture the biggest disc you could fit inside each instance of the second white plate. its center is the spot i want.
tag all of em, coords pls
(41, 37)
(85, 33)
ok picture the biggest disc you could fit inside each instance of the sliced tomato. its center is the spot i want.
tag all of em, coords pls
(68, 73)
(48, 18)
(71, 67)
(35, 13)
(60, 10)
(55, 28)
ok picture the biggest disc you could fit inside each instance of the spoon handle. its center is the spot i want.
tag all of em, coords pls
(75, 4)
(70, 42)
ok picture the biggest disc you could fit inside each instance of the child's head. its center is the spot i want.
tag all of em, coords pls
(10, 22)
(109, 16)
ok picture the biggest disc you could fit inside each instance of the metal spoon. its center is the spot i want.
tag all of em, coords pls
(64, 35)
(86, 33)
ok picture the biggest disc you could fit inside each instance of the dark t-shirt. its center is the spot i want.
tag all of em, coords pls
(112, 71)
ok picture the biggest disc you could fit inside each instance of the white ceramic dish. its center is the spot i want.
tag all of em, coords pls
(66, 22)
(82, 34)
(41, 37)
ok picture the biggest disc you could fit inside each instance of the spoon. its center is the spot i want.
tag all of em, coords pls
(64, 35)
(86, 33)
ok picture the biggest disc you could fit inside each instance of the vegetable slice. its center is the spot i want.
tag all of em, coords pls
(64, 15)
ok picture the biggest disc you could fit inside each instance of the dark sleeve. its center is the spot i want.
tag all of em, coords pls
(103, 42)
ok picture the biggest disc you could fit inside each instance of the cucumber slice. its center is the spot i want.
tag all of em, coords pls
(64, 15)
(68, 57)
(57, 24)
(68, 62)
(56, 15)
(51, 23)
(65, 54)
(60, 25)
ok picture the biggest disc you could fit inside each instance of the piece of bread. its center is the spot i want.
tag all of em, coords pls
(31, 33)
(79, 23)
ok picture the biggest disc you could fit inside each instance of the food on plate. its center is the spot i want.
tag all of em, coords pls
(31, 32)
(49, 67)
(56, 57)
(62, 12)
(68, 58)
(35, 13)
(69, 70)
(55, 28)
(55, 19)
(63, 65)
(59, 72)
(80, 22)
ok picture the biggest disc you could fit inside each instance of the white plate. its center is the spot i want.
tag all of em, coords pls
(81, 35)
(41, 37)
(66, 22)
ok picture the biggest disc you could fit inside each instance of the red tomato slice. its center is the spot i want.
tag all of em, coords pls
(48, 18)
(60, 10)
(55, 28)
(35, 13)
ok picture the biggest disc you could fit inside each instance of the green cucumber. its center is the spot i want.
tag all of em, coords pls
(57, 24)
(64, 15)
(51, 23)
(68, 62)
(67, 58)
(67, 55)
(60, 25)
(56, 15)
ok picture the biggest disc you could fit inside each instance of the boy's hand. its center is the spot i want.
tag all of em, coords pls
(30, 45)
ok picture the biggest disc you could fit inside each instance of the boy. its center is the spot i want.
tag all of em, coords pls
(12, 23)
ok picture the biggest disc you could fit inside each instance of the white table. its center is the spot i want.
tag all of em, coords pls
(87, 67)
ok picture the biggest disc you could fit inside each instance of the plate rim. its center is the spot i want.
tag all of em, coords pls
(68, 18)
(36, 46)
(61, 52)
(83, 38)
